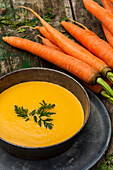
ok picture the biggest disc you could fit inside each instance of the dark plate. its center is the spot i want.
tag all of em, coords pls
(87, 150)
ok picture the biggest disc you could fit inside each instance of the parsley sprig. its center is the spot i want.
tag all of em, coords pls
(41, 115)
(21, 112)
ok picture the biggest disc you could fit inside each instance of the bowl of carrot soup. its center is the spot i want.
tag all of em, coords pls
(42, 112)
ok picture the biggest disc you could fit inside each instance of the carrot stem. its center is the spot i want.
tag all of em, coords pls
(103, 93)
(110, 76)
(105, 86)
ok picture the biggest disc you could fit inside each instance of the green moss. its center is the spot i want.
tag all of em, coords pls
(106, 164)
(49, 15)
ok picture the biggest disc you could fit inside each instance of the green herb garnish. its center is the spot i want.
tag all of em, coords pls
(32, 113)
(21, 112)
(41, 115)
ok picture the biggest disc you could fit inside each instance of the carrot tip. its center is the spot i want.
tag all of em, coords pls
(40, 36)
(4, 38)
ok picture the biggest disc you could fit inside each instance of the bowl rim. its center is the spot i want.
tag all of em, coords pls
(60, 72)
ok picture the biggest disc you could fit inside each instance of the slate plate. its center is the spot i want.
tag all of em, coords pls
(86, 151)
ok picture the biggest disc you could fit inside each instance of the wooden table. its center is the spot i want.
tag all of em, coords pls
(11, 17)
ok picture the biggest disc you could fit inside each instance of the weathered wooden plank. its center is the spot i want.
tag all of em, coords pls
(13, 59)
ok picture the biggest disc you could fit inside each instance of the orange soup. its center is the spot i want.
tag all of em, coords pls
(68, 119)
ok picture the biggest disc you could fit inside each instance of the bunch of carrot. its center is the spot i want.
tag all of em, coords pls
(109, 36)
(48, 41)
(105, 16)
(68, 55)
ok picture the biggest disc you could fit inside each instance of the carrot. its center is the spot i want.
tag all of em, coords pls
(71, 64)
(100, 13)
(45, 34)
(48, 43)
(109, 36)
(111, 1)
(92, 42)
(107, 5)
(97, 88)
(72, 48)
(77, 67)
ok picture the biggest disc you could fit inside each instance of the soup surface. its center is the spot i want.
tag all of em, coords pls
(68, 119)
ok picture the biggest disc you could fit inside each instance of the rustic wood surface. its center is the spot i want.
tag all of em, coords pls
(13, 59)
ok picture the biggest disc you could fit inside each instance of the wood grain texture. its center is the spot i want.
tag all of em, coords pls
(12, 59)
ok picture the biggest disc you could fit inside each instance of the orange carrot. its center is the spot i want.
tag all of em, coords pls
(91, 41)
(48, 43)
(107, 5)
(45, 34)
(95, 88)
(109, 36)
(100, 13)
(111, 1)
(80, 69)
(72, 48)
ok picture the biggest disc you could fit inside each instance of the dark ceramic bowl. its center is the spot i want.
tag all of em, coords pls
(53, 76)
